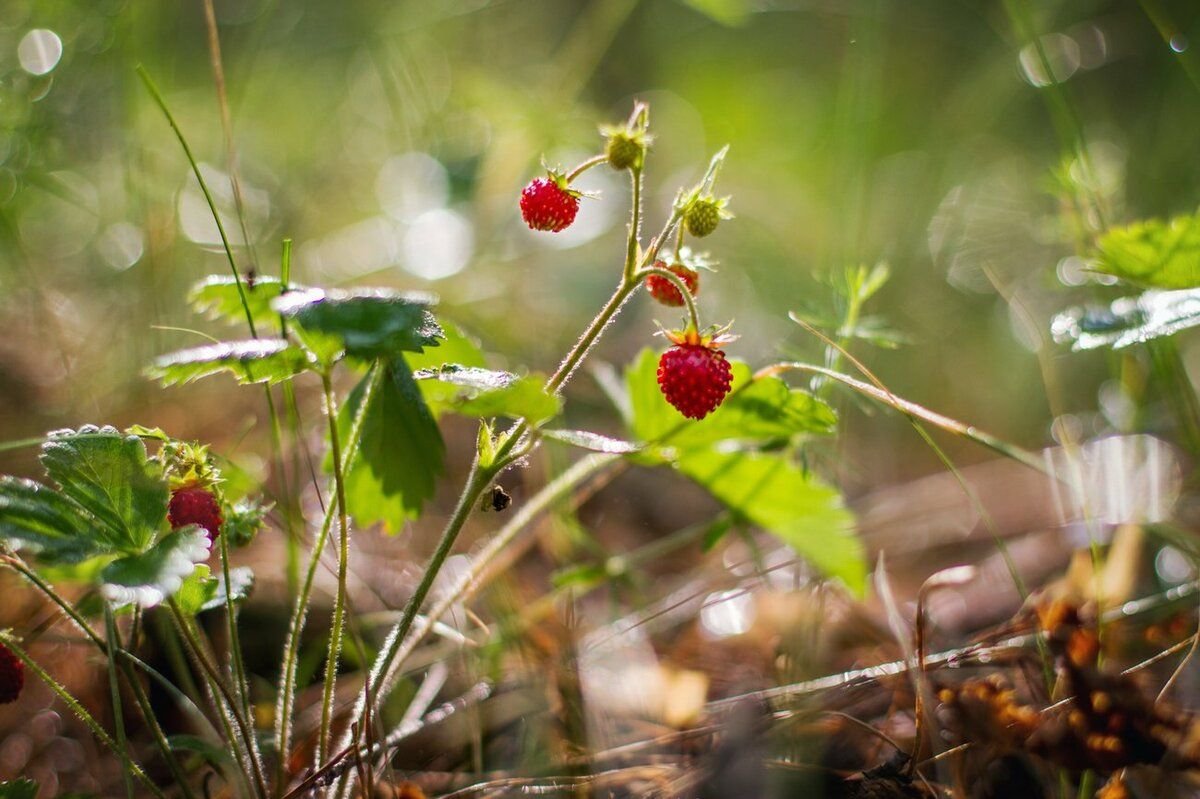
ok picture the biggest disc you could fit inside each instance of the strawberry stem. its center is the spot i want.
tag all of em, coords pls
(676, 281)
(595, 160)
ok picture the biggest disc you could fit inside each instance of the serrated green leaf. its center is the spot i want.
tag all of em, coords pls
(203, 590)
(770, 491)
(109, 476)
(152, 576)
(1129, 320)
(1153, 253)
(755, 410)
(263, 360)
(217, 296)
(401, 454)
(35, 516)
(18, 789)
(365, 323)
(456, 348)
(592, 441)
(486, 393)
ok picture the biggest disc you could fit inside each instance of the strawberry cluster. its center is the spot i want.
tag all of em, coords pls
(693, 374)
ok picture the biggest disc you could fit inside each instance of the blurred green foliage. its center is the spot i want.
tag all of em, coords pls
(390, 139)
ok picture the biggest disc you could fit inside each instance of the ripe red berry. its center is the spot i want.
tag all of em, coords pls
(195, 505)
(12, 675)
(548, 205)
(665, 291)
(694, 378)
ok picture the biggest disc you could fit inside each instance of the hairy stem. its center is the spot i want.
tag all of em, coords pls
(339, 605)
(285, 702)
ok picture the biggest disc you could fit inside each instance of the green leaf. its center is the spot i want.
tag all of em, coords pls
(263, 360)
(760, 410)
(217, 756)
(485, 393)
(366, 323)
(1129, 320)
(1153, 253)
(401, 454)
(109, 476)
(770, 491)
(149, 578)
(35, 516)
(456, 348)
(218, 297)
(593, 441)
(203, 590)
(18, 789)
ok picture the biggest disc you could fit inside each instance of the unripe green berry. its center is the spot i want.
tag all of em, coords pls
(624, 151)
(702, 216)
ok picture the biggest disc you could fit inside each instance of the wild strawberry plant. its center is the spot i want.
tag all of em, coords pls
(143, 521)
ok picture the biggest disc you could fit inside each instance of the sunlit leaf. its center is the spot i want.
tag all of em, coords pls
(264, 360)
(152, 576)
(1129, 320)
(592, 441)
(365, 323)
(485, 392)
(35, 516)
(770, 491)
(456, 348)
(755, 410)
(1153, 253)
(218, 297)
(203, 590)
(401, 454)
(109, 476)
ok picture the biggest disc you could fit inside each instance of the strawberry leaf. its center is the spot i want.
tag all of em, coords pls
(262, 360)
(401, 454)
(217, 296)
(1128, 320)
(35, 516)
(592, 441)
(487, 393)
(18, 789)
(365, 323)
(1153, 253)
(148, 578)
(203, 590)
(770, 491)
(108, 475)
(456, 348)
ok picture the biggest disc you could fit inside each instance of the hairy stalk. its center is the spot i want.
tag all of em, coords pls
(244, 729)
(285, 702)
(114, 689)
(635, 221)
(29, 574)
(676, 281)
(81, 713)
(339, 604)
(595, 160)
(241, 685)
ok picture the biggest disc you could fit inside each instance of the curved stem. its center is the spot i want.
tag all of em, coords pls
(595, 160)
(676, 281)
(114, 689)
(29, 574)
(285, 702)
(339, 605)
(241, 686)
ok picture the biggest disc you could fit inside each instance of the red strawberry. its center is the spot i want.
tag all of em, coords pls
(547, 204)
(665, 291)
(12, 675)
(195, 505)
(693, 375)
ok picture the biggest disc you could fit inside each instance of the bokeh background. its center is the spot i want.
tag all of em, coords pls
(390, 140)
